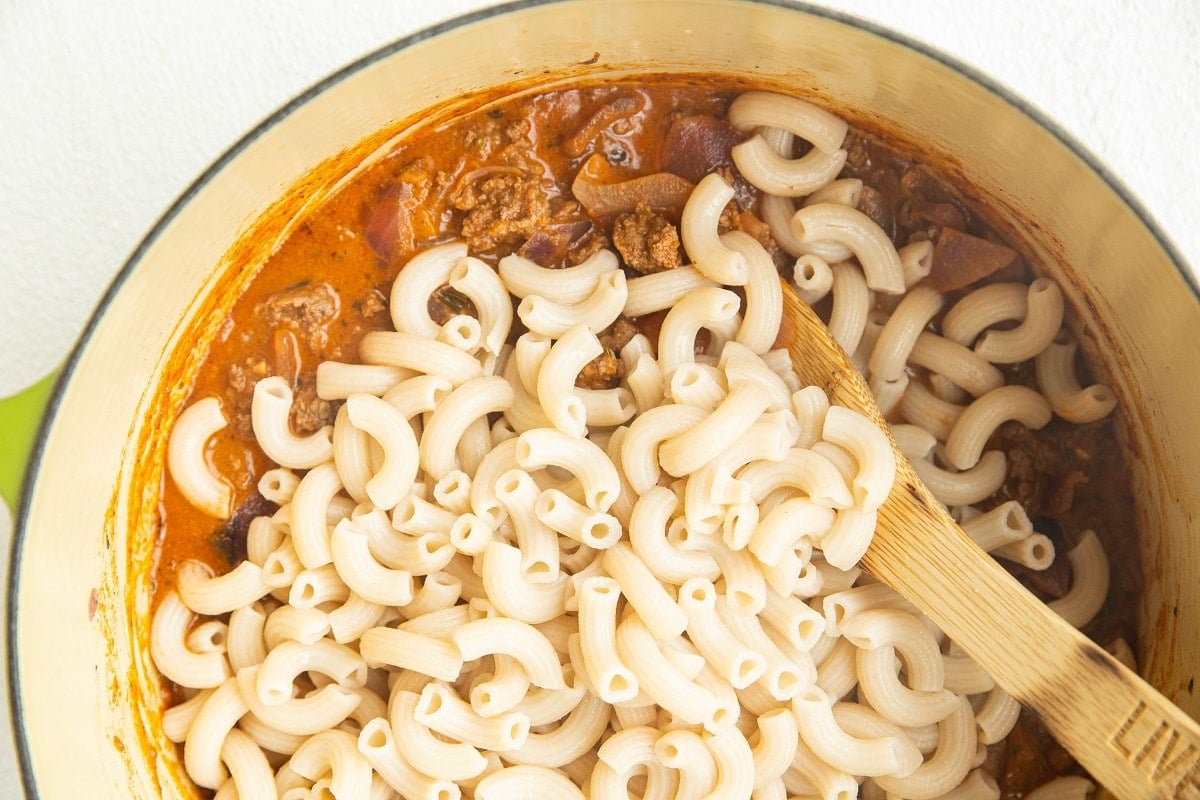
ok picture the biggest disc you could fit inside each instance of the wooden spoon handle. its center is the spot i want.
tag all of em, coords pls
(1130, 737)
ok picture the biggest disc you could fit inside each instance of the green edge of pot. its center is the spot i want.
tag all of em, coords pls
(20, 418)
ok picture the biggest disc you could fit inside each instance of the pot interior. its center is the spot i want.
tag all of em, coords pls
(87, 530)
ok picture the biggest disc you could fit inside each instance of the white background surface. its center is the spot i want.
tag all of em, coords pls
(108, 110)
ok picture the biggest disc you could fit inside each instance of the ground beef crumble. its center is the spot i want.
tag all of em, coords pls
(606, 370)
(239, 390)
(306, 309)
(617, 335)
(309, 412)
(648, 242)
(502, 210)
(602, 372)
(586, 247)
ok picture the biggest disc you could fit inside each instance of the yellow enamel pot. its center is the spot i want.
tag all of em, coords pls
(85, 695)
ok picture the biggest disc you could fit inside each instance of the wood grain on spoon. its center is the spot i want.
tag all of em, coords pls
(1127, 735)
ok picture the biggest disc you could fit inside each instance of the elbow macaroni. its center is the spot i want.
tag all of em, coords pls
(188, 464)
(483, 578)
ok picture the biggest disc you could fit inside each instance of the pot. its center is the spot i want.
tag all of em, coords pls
(80, 595)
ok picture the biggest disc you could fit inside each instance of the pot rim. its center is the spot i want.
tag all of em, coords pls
(35, 463)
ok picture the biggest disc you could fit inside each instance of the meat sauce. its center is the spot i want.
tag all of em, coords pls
(555, 177)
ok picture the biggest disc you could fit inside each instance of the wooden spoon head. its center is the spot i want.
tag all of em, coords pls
(820, 361)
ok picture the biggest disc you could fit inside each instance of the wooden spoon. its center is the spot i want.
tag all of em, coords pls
(1127, 735)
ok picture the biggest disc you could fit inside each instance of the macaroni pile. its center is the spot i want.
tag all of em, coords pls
(485, 582)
